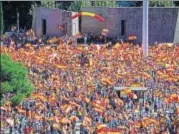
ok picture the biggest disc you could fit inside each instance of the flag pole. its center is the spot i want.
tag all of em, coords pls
(145, 44)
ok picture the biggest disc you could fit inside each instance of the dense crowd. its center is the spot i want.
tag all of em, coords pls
(75, 84)
(89, 38)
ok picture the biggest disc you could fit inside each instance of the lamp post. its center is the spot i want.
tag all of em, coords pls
(1, 19)
(145, 44)
(18, 21)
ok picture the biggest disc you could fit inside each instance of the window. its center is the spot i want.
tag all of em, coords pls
(123, 27)
(44, 26)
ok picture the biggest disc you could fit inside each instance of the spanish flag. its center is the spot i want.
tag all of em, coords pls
(86, 100)
(56, 126)
(136, 85)
(68, 109)
(119, 102)
(55, 119)
(125, 91)
(74, 104)
(101, 126)
(109, 131)
(61, 27)
(64, 121)
(177, 110)
(21, 111)
(174, 98)
(106, 81)
(74, 118)
(146, 75)
(87, 121)
(132, 95)
(42, 98)
(132, 37)
(37, 117)
(98, 110)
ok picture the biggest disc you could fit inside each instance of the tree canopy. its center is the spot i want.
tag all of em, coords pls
(10, 8)
(14, 80)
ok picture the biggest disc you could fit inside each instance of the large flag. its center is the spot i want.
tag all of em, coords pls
(105, 130)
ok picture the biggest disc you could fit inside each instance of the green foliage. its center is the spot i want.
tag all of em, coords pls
(85, 3)
(6, 87)
(130, 3)
(17, 99)
(48, 3)
(1, 19)
(161, 3)
(105, 4)
(14, 79)
(76, 6)
(126, 3)
(99, 4)
(63, 5)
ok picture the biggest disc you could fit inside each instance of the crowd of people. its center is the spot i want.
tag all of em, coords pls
(89, 38)
(75, 85)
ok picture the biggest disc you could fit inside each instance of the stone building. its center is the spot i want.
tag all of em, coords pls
(53, 22)
(122, 22)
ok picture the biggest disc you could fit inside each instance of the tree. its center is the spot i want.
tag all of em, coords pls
(76, 6)
(85, 3)
(126, 3)
(10, 9)
(151, 3)
(14, 80)
(63, 5)
(176, 3)
(138, 3)
(1, 19)
(111, 3)
(161, 3)
(48, 4)
(103, 4)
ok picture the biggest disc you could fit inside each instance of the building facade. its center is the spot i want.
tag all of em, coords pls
(53, 22)
(122, 22)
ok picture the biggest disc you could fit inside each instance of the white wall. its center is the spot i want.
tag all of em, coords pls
(75, 24)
